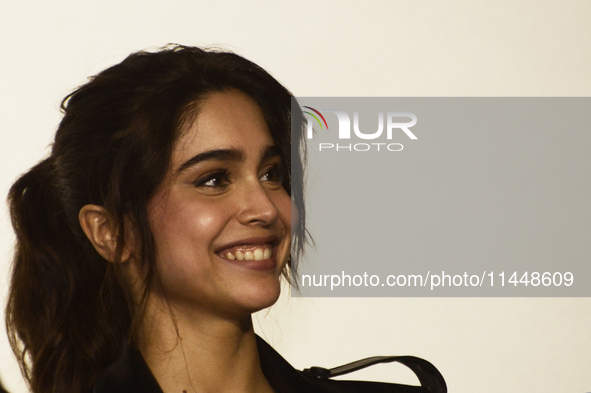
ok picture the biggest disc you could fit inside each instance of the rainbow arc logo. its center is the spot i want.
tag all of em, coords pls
(316, 112)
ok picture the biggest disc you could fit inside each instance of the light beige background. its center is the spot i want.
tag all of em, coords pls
(335, 48)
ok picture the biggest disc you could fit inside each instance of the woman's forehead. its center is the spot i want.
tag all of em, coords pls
(229, 120)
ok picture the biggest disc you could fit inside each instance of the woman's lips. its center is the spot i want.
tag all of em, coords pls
(253, 253)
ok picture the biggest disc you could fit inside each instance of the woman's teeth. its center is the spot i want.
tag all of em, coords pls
(256, 254)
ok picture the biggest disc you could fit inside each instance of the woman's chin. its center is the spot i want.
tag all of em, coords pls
(259, 298)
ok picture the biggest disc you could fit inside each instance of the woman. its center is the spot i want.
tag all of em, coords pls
(160, 222)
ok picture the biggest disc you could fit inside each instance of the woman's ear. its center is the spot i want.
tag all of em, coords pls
(101, 230)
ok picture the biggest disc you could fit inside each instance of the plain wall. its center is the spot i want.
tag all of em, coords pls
(335, 48)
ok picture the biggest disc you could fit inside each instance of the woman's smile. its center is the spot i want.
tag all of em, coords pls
(253, 253)
(221, 220)
(255, 257)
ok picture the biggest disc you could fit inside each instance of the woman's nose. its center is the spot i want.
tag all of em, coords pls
(257, 206)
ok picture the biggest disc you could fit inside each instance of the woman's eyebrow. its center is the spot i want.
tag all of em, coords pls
(217, 155)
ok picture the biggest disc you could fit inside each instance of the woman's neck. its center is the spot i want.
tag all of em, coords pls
(201, 353)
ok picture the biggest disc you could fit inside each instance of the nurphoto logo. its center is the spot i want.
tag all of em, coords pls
(395, 122)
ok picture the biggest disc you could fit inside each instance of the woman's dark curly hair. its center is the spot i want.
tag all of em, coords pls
(67, 315)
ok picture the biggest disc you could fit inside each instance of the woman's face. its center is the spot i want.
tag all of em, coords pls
(221, 219)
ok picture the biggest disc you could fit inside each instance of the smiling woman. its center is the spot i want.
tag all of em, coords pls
(160, 222)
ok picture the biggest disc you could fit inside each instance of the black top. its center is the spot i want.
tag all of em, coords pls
(130, 374)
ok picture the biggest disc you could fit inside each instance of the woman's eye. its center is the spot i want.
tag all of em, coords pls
(213, 180)
(274, 174)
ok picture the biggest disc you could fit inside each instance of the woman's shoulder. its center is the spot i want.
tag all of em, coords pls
(130, 374)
